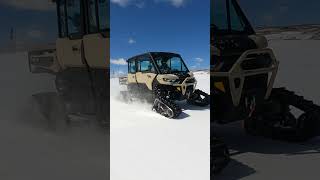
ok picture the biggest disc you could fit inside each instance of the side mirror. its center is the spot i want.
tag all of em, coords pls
(261, 41)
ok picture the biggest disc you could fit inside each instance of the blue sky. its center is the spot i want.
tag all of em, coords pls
(282, 12)
(160, 25)
(34, 22)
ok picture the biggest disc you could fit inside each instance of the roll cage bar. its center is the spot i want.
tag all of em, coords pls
(248, 29)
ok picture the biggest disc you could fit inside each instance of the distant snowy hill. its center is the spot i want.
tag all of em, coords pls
(295, 32)
(22, 47)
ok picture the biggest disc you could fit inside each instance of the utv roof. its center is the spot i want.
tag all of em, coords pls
(151, 54)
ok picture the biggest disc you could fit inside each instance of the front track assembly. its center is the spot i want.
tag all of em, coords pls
(275, 119)
(168, 108)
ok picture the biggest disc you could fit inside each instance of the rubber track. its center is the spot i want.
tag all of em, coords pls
(176, 109)
(289, 97)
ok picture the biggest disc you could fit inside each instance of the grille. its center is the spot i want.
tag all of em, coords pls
(256, 61)
(180, 80)
(191, 80)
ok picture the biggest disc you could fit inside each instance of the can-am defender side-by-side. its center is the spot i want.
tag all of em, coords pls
(243, 71)
(162, 78)
(79, 62)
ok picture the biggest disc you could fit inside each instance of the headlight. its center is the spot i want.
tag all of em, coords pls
(220, 86)
(192, 80)
(169, 80)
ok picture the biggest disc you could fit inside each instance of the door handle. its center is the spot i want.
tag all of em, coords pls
(148, 76)
(75, 48)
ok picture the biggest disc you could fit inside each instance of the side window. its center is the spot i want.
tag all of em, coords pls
(104, 10)
(146, 66)
(236, 22)
(219, 14)
(92, 16)
(62, 19)
(176, 64)
(132, 67)
(163, 63)
(74, 18)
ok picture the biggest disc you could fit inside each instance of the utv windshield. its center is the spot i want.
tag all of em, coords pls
(227, 18)
(169, 63)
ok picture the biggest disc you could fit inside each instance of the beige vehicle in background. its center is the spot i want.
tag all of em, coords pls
(162, 78)
(79, 62)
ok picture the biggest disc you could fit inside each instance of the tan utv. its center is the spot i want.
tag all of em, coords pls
(79, 61)
(162, 78)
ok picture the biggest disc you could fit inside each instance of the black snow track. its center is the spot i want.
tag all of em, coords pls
(290, 98)
(307, 123)
(276, 120)
(166, 107)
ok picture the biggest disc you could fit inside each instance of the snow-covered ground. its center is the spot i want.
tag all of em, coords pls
(299, 66)
(29, 150)
(260, 158)
(295, 32)
(147, 146)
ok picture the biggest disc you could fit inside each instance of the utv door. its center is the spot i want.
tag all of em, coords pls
(71, 31)
(96, 40)
(145, 73)
(132, 79)
(83, 33)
